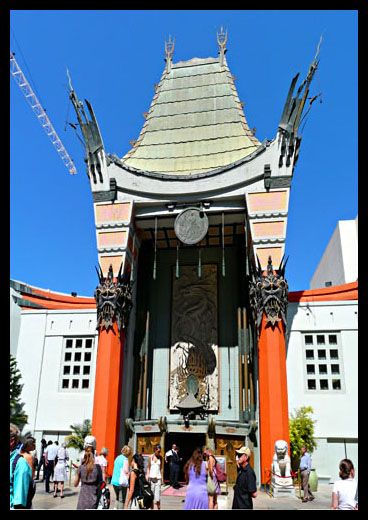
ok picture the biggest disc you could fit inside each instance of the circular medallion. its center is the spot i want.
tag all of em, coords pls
(191, 226)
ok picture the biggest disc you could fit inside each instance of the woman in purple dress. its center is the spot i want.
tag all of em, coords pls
(88, 474)
(196, 474)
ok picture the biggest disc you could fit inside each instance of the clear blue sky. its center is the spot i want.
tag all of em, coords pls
(114, 58)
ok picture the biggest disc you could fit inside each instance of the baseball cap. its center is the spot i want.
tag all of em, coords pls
(90, 441)
(244, 450)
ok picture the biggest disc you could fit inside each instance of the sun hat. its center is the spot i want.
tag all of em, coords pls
(90, 441)
(243, 449)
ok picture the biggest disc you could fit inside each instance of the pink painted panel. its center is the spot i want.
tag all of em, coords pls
(268, 229)
(275, 253)
(117, 238)
(269, 201)
(113, 212)
(115, 261)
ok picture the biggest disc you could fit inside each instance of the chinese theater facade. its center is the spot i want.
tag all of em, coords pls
(192, 295)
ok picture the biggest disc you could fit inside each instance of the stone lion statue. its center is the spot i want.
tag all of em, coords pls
(281, 464)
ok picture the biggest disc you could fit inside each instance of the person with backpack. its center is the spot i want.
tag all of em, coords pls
(212, 469)
(90, 474)
(140, 494)
(21, 488)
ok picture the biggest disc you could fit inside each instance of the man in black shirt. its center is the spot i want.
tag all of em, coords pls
(245, 487)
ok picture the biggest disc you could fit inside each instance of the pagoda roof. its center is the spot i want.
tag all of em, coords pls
(195, 124)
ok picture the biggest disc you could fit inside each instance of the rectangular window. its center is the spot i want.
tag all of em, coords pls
(322, 359)
(76, 366)
(311, 384)
(323, 384)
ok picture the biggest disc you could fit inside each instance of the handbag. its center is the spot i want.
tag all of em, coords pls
(123, 478)
(211, 488)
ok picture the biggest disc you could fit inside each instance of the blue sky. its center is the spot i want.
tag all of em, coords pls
(115, 58)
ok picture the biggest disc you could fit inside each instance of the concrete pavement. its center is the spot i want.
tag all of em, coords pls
(263, 500)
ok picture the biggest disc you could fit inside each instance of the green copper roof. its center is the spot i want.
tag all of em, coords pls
(195, 123)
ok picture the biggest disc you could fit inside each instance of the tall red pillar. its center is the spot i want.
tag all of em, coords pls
(273, 397)
(108, 389)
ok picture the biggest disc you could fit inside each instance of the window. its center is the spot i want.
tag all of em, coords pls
(322, 358)
(76, 366)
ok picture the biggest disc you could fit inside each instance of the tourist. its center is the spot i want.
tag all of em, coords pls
(102, 461)
(90, 440)
(20, 476)
(196, 471)
(120, 488)
(344, 490)
(27, 447)
(50, 454)
(136, 473)
(60, 470)
(305, 469)
(210, 457)
(41, 463)
(172, 458)
(88, 474)
(154, 475)
(245, 488)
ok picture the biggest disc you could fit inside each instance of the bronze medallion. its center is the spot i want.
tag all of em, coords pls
(191, 226)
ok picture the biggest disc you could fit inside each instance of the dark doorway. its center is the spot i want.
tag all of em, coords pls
(187, 443)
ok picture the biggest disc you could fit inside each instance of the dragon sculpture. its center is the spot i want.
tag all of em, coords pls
(114, 299)
(269, 294)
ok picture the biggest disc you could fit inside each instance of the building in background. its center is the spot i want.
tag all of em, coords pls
(339, 262)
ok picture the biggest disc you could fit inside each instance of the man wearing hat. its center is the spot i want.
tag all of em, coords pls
(245, 487)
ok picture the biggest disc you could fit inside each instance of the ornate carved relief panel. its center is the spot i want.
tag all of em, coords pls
(194, 336)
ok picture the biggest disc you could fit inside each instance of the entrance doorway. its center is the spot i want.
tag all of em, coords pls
(187, 442)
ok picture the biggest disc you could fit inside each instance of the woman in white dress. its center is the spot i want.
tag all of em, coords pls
(154, 475)
(60, 470)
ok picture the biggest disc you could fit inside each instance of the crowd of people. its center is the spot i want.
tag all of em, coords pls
(138, 485)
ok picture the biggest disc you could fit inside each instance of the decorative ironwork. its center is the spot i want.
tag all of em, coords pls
(222, 39)
(114, 299)
(269, 294)
(169, 48)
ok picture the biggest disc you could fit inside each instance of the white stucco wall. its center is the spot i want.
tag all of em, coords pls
(335, 412)
(339, 262)
(39, 359)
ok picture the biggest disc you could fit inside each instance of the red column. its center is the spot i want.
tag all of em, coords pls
(108, 388)
(273, 398)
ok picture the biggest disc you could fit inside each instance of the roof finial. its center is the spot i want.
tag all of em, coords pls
(169, 50)
(221, 40)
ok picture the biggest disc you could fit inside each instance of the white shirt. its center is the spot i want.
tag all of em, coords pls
(345, 490)
(51, 451)
(155, 469)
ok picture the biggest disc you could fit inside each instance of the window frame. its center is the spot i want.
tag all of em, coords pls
(318, 361)
(76, 345)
